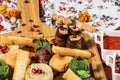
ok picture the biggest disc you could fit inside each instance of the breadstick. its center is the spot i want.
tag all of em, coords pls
(70, 52)
(61, 19)
(88, 27)
(22, 62)
(13, 40)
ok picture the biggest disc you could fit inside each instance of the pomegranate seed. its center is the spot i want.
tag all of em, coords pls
(61, 27)
(0, 46)
(74, 27)
(5, 47)
(40, 33)
(74, 36)
(31, 29)
(31, 20)
(38, 30)
(35, 26)
(19, 32)
(3, 50)
(23, 24)
(34, 71)
(26, 1)
(39, 71)
(1, 27)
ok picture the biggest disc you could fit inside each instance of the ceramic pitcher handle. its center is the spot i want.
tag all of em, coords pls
(109, 60)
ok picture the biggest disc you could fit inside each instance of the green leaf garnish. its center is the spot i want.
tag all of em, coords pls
(83, 73)
(35, 40)
(46, 45)
(37, 47)
(42, 42)
(41, 36)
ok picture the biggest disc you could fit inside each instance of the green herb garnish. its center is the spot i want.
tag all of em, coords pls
(37, 47)
(80, 67)
(46, 45)
(42, 42)
(35, 40)
(41, 36)
(83, 73)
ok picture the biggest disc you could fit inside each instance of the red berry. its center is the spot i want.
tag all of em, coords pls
(0, 46)
(61, 27)
(4, 49)
(74, 27)
(74, 36)
(30, 20)
(23, 24)
(34, 71)
(39, 71)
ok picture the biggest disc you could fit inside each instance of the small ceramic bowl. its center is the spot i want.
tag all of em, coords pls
(99, 40)
(111, 61)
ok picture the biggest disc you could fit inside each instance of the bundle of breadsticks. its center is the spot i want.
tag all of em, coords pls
(61, 19)
(70, 52)
(13, 40)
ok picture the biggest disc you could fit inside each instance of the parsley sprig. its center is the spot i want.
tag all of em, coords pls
(42, 42)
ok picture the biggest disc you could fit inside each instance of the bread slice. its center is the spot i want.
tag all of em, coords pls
(70, 75)
(60, 63)
(22, 62)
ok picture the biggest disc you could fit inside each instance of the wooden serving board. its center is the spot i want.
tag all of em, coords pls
(30, 11)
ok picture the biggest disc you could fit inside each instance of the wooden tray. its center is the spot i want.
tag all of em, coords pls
(30, 11)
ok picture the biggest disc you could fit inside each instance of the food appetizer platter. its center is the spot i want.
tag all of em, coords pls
(45, 53)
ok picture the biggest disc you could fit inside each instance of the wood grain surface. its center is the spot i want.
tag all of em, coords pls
(30, 11)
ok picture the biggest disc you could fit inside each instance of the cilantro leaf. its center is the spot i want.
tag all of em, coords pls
(46, 45)
(41, 36)
(37, 47)
(35, 40)
(83, 73)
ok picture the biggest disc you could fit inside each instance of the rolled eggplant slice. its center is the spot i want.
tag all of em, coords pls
(62, 32)
(61, 36)
(73, 29)
(74, 41)
(60, 41)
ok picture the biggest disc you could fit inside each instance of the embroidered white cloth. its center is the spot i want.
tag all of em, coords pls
(105, 13)
(6, 22)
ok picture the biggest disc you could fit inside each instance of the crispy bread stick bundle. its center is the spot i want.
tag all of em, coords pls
(61, 19)
(13, 40)
(70, 52)
(88, 27)
(22, 62)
